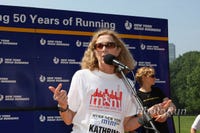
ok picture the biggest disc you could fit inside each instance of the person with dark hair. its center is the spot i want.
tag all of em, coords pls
(98, 99)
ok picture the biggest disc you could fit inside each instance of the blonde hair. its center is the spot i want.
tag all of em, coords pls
(144, 71)
(89, 60)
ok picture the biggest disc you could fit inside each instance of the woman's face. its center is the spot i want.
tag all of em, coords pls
(150, 79)
(105, 44)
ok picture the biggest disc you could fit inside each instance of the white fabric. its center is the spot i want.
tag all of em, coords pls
(101, 101)
(196, 123)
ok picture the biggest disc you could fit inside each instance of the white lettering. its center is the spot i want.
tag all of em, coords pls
(33, 18)
(95, 24)
(41, 20)
(68, 21)
(5, 19)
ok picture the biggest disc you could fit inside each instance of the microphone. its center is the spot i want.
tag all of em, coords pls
(111, 60)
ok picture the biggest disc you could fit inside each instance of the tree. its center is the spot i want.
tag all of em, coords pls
(193, 94)
(184, 81)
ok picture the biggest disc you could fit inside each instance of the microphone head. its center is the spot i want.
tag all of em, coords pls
(108, 59)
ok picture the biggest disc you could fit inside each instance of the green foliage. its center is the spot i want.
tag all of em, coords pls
(184, 81)
(193, 90)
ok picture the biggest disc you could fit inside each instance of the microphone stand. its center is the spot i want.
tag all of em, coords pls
(134, 95)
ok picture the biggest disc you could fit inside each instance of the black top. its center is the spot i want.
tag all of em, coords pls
(149, 99)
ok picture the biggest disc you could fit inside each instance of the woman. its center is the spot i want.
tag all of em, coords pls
(98, 100)
(159, 106)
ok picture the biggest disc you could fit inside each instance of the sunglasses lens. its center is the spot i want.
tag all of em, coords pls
(109, 45)
(152, 76)
(99, 46)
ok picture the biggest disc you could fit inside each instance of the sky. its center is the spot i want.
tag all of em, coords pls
(183, 15)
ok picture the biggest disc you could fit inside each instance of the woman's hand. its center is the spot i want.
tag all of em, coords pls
(59, 95)
(157, 110)
(161, 118)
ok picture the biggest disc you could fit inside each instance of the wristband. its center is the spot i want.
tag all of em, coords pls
(62, 109)
(141, 121)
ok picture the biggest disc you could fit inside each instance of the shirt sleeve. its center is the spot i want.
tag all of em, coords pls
(196, 123)
(74, 97)
(132, 107)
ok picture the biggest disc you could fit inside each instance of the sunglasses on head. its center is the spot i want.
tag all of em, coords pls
(108, 45)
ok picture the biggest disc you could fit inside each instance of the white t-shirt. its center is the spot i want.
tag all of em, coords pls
(101, 102)
(196, 123)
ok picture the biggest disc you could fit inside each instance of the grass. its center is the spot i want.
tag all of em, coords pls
(185, 123)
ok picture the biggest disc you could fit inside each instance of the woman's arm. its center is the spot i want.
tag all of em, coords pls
(61, 97)
(131, 123)
(67, 116)
(192, 130)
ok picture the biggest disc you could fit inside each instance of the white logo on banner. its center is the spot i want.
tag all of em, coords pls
(142, 46)
(42, 41)
(1, 97)
(140, 27)
(42, 118)
(53, 42)
(42, 78)
(56, 60)
(128, 25)
(50, 118)
(1, 60)
(78, 43)
(52, 79)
